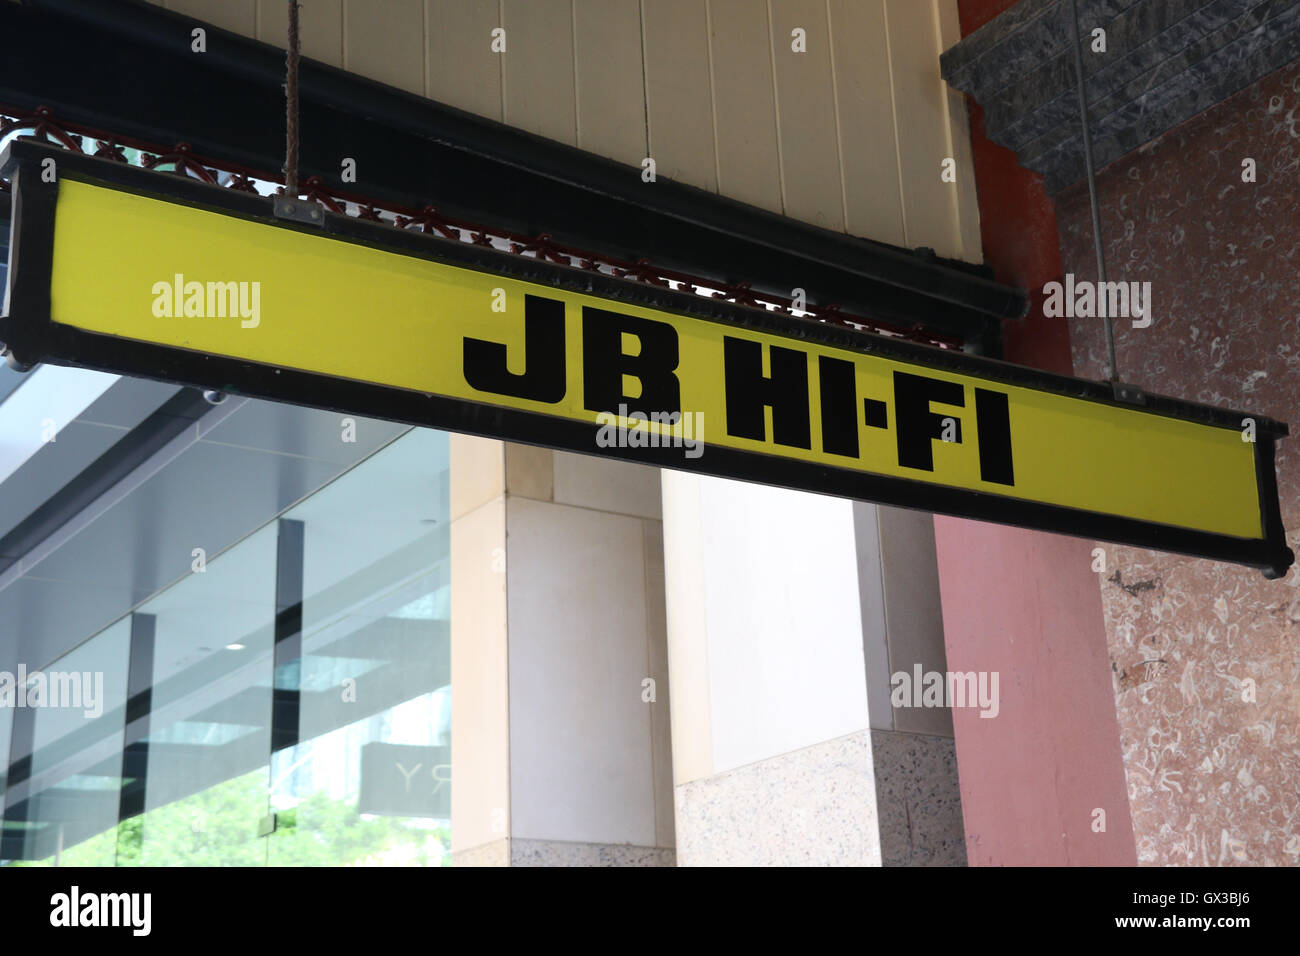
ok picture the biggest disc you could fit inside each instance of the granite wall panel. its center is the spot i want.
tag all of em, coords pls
(1213, 776)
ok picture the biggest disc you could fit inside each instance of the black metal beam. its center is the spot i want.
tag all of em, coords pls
(126, 66)
(175, 415)
(22, 744)
(286, 693)
(139, 704)
(31, 335)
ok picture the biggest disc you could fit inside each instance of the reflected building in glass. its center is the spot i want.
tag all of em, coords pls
(286, 700)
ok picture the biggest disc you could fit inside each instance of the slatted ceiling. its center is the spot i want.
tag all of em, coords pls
(678, 85)
(849, 135)
(237, 16)
(462, 69)
(744, 103)
(920, 103)
(610, 80)
(970, 243)
(805, 104)
(320, 25)
(867, 138)
(384, 40)
(539, 68)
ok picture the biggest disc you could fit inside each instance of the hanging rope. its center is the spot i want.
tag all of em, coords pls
(291, 106)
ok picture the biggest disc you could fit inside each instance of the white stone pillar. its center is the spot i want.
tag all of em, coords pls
(560, 745)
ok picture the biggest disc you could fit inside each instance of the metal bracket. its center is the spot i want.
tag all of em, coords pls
(14, 363)
(299, 210)
(1129, 394)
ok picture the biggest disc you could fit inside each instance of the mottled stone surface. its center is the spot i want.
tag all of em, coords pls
(1252, 51)
(1148, 43)
(1020, 39)
(1212, 778)
(557, 853)
(918, 800)
(810, 807)
(1164, 62)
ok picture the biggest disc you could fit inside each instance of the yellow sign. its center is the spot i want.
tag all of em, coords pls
(769, 398)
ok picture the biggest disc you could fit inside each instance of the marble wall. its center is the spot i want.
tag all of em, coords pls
(1213, 779)
(815, 806)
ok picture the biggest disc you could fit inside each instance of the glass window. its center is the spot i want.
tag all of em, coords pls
(369, 779)
(6, 732)
(288, 701)
(70, 812)
(209, 722)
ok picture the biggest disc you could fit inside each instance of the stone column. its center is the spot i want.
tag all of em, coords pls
(560, 743)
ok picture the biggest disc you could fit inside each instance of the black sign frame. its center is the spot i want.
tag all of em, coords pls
(30, 336)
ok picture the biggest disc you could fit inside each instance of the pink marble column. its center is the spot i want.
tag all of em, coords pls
(1026, 606)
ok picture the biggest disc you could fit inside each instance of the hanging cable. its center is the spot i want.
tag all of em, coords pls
(1092, 190)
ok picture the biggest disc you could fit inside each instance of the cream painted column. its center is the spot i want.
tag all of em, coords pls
(772, 757)
(560, 742)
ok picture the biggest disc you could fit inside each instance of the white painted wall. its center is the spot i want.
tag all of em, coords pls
(762, 592)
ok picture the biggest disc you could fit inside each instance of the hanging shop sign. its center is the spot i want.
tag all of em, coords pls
(150, 274)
